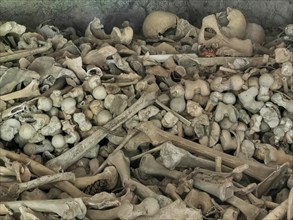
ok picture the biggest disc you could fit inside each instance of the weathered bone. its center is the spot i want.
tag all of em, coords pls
(78, 151)
(223, 190)
(250, 211)
(157, 136)
(173, 156)
(66, 208)
(150, 166)
(8, 56)
(204, 61)
(15, 189)
(110, 176)
(31, 90)
(41, 170)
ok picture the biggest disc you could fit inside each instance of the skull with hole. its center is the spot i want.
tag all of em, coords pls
(226, 44)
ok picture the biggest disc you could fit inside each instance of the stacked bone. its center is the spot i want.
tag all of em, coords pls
(190, 133)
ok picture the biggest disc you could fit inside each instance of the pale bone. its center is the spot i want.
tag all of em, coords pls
(237, 24)
(150, 166)
(227, 142)
(126, 210)
(65, 208)
(212, 135)
(230, 213)
(8, 56)
(30, 90)
(280, 212)
(41, 170)
(129, 135)
(234, 82)
(180, 117)
(247, 98)
(266, 80)
(76, 66)
(102, 200)
(110, 176)
(175, 210)
(282, 101)
(274, 156)
(27, 213)
(15, 189)
(98, 56)
(231, 46)
(224, 110)
(122, 36)
(201, 200)
(157, 22)
(79, 150)
(172, 156)
(250, 211)
(204, 61)
(214, 99)
(157, 136)
(170, 190)
(223, 191)
(31, 149)
(196, 87)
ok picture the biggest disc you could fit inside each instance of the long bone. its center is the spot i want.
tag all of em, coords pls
(78, 151)
(31, 90)
(157, 136)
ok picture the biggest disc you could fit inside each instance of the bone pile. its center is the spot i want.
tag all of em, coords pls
(174, 123)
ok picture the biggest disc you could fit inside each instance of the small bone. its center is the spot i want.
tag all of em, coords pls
(30, 90)
(79, 150)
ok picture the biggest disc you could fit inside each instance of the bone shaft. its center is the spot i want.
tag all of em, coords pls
(45, 180)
